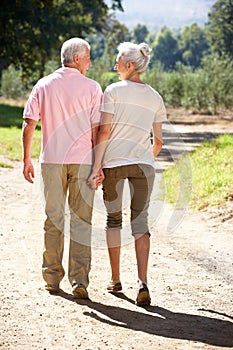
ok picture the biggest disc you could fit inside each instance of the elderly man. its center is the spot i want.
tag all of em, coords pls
(67, 103)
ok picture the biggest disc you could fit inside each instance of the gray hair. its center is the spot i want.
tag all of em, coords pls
(73, 46)
(138, 54)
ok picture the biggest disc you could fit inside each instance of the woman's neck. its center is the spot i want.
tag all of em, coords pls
(135, 78)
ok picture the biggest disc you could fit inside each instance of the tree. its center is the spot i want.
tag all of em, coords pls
(220, 27)
(115, 34)
(193, 45)
(31, 31)
(97, 42)
(218, 72)
(139, 33)
(104, 45)
(165, 49)
(116, 5)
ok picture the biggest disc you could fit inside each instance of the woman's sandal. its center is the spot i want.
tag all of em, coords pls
(114, 286)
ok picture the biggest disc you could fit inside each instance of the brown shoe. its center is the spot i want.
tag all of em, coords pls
(114, 286)
(79, 291)
(143, 297)
(52, 288)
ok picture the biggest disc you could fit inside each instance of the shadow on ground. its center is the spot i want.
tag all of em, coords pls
(162, 322)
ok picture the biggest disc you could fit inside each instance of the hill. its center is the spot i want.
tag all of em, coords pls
(172, 13)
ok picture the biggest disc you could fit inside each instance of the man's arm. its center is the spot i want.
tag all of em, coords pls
(100, 147)
(28, 129)
(95, 129)
(158, 138)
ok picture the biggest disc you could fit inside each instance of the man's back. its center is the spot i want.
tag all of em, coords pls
(67, 104)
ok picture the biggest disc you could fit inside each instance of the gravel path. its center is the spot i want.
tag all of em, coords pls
(190, 276)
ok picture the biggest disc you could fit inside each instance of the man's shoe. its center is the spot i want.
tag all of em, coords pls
(52, 288)
(79, 291)
(143, 296)
(114, 286)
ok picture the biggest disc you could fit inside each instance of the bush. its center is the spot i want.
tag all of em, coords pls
(173, 88)
(196, 91)
(206, 90)
(50, 67)
(11, 85)
(219, 76)
(155, 78)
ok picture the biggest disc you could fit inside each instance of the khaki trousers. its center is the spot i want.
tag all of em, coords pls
(141, 180)
(62, 182)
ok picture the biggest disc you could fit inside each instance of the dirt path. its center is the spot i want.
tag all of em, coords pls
(190, 278)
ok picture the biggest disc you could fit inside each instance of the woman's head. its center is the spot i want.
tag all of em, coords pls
(139, 55)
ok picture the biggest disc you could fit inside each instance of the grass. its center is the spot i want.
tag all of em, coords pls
(5, 165)
(11, 116)
(10, 133)
(11, 144)
(209, 175)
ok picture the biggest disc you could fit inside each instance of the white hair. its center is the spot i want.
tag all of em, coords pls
(71, 47)
(137, 54)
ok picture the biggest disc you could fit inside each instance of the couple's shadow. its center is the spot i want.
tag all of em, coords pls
(162, 322)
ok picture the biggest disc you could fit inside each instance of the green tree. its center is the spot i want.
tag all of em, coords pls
(112, 36)
(220, 27)
(139, 33)
(193, 45)
(150, 38)
(115, 34)
(209, 87)
(11, 84)
(156, 78)
(218, 73)
(116, 5)
(165, 49)
(97, 42)
(31, 31)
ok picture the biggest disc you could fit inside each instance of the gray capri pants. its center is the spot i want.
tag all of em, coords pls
(141, 180)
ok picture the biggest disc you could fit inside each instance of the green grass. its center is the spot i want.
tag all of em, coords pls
(11, 116)
(204, 177)
(5, 165)
(10, 134)
(11, 144)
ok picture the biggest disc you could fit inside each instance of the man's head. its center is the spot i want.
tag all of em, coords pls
(75, 53)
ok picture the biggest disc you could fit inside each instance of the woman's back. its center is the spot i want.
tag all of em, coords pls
(135, 107)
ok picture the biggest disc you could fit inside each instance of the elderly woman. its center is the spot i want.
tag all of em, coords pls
(130, 110)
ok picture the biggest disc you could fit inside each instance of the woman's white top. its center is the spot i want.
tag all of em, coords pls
(135, 107)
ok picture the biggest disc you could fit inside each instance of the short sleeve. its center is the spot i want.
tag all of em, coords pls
(108, 103)
(96, 103)
(161, 113)
(32, 110)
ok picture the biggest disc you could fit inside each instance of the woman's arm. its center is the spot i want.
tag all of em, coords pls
(158, 138)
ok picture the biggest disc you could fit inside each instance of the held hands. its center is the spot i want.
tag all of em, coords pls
(96, 179)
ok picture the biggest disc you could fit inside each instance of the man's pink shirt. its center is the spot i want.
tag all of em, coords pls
(68, 104)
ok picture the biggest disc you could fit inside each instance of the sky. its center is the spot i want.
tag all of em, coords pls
(156, 13)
